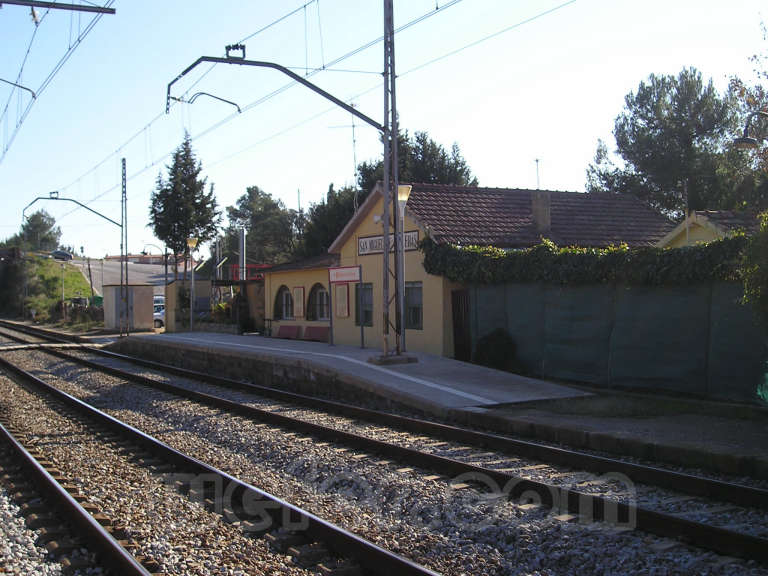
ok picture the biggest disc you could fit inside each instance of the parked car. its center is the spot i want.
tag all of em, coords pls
(61, 255)
(159, 315)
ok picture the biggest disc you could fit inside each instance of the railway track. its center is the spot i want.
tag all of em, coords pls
(65, 529)
(675, 519)
(312, 542)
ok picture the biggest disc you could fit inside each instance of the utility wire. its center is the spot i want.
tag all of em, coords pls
(23, 63)
(261, 99)
(149, 124)
(486, 38)
(50, 78)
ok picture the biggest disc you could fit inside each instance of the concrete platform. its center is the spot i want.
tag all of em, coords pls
(478, 397)
(432, 384)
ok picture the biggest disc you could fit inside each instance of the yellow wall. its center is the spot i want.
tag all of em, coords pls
(696, 234)
(292, 278)
(436, 336)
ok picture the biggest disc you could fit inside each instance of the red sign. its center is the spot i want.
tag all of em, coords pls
(344, 274)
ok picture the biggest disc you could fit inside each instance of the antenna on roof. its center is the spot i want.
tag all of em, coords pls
(537, 174)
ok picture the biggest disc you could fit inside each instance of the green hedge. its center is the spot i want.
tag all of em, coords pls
(716, 261)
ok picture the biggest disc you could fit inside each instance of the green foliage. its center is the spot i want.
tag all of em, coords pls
(11, 287)
(325, 221)
(422, 160)
(271, 234)
(44, 286)
(676, 130)
(756, 272)
(546, 263)
(38, 233)
(497, 350)
(180, 206)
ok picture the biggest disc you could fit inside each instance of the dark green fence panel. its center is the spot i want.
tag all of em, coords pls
(487, 310)
(690, 339)
(660, 338)
(577, 332)
(525, 304)
(737, 346)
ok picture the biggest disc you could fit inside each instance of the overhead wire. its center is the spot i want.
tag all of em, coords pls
(256, 102)
(157, 118)
(331, 108)
(23, 63)
(50, 78)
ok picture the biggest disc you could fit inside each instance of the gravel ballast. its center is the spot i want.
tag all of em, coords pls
(182, 536)
(454, 531)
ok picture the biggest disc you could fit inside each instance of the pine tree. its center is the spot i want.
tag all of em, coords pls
(180, 207)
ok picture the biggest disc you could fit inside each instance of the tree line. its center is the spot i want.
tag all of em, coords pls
(181, 207)
(673, 149)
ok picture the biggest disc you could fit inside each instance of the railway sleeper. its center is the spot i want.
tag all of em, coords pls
(309, 555)
(339, 568)
(283, 540)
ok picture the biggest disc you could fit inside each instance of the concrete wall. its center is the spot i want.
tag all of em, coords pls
(693, 340)
(177, 319)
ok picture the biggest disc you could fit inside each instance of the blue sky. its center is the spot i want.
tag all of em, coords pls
(546, 88)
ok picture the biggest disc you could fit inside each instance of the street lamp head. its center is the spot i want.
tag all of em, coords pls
(747, 142)
(403, 192)
(192, 243)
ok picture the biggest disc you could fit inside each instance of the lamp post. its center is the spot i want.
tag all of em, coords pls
(389, 133)
(192, 244)
(63, 309)
(747, 142)
(403, 191)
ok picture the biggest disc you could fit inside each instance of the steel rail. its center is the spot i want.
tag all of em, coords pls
(686, 483)
(372, 558)
(588, 507)
(641, 473)
(95, 536)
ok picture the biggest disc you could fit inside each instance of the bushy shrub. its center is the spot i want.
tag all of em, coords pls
(547, 263)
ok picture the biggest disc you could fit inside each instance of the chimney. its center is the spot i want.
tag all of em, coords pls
(540, 208)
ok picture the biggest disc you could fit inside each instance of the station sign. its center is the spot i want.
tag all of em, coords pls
(374, 245)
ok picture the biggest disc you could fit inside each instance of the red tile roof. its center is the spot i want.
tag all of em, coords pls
(504, 218)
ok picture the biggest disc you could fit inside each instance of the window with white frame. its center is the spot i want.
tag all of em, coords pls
(317, 305)
(364, 304)
(283, 304)
(414, 309)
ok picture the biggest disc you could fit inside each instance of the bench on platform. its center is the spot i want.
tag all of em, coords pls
(316, 333)
(290, 332)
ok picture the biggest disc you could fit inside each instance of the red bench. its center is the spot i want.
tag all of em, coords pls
(316, 333)
(290, 332)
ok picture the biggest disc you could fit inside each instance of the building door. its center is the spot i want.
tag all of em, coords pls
(462, 342)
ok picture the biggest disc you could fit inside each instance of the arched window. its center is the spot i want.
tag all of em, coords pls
(317, 306)
(283, 304)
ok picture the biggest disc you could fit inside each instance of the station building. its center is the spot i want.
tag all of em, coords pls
(299, 303)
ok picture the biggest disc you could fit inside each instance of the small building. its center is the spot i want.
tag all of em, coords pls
(297, 294)
(707, 225)
(140, 306)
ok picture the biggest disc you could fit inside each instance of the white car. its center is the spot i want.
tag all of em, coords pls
(159, 315)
